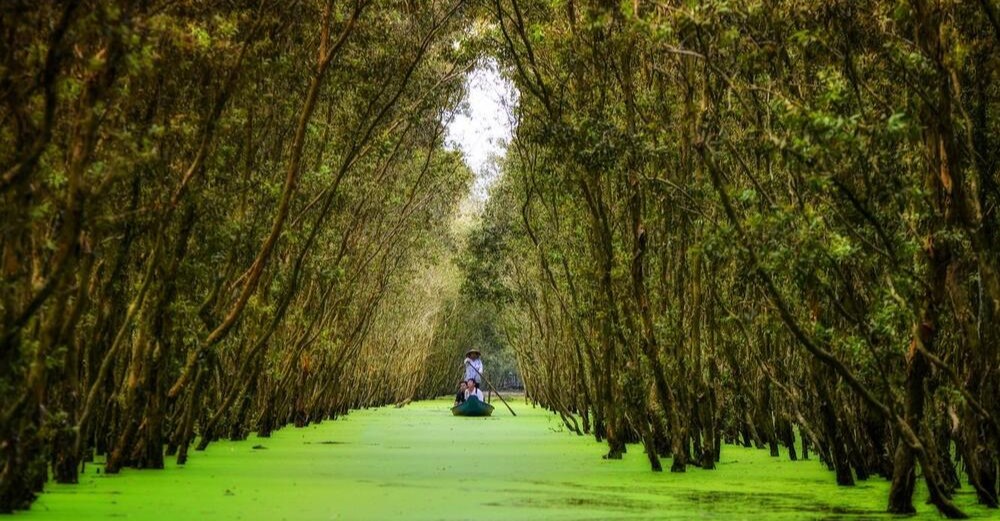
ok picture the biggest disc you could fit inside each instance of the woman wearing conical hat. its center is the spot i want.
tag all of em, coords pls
(473, 366)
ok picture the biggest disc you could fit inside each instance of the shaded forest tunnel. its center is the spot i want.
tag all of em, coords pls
(679, 225)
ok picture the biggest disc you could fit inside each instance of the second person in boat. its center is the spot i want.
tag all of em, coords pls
(472, 390)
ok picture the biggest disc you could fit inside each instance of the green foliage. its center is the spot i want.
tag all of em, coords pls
(728, 189)
(173, 246)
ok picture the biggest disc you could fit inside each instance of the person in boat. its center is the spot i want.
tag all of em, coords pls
(460, 397)
(472, 389)
(473, 365)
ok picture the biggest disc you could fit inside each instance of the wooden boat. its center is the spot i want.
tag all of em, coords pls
(472, 406)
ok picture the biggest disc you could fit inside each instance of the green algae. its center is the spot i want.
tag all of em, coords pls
(420, 462)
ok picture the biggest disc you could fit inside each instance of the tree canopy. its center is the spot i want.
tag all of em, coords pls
(772, 223)
(758, 222)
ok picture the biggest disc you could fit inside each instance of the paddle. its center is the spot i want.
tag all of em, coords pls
(491, 387)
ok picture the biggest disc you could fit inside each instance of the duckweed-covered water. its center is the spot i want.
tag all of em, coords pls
(420, 462)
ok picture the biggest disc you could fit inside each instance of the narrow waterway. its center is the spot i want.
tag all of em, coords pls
(420, 462)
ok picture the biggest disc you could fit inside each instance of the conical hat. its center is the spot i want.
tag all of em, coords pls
(473, 350)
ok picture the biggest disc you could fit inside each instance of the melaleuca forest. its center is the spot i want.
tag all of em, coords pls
(499, 259)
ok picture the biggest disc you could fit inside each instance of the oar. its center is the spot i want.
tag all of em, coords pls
(492, 387)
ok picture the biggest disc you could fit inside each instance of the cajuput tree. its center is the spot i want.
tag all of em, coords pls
(212, 216)
(767, 223)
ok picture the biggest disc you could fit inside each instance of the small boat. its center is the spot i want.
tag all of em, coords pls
(472, 406)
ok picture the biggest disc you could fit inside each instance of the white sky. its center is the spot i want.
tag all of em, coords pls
(483, 125)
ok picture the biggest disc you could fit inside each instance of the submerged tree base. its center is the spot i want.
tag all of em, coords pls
(420, 462)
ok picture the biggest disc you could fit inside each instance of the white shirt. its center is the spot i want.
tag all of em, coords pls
(477, 393)
(471, 366)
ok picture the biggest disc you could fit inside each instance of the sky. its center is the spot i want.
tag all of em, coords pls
(483, 125)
